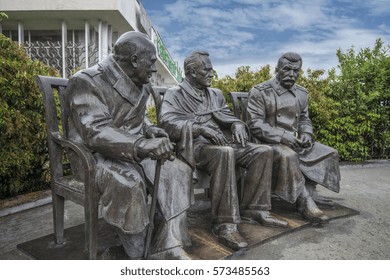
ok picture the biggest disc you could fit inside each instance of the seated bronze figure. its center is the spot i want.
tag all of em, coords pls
(107, 105)
(209, 137)
(277, 115)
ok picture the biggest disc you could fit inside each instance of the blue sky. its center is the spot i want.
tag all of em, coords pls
(257, 32)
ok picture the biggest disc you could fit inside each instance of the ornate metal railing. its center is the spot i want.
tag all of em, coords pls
(47, 52)
(50, 53)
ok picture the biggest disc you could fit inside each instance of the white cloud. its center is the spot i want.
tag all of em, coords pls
(257, 32)
(379, 7)
(322, 54)
(372, 8)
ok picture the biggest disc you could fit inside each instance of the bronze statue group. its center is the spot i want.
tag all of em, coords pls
(197, 131)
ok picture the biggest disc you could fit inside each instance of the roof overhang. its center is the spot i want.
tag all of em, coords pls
(75, 20)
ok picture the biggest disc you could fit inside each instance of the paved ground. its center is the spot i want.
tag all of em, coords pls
(366, 236)
(362, 237)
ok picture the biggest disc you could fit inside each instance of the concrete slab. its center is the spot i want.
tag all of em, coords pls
(204, 244)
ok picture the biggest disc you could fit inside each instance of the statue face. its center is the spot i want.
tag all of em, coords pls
(145, 65)
(139, 67)
(203, 73)
(288, 73)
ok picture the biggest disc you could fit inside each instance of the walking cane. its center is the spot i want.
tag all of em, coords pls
(159, 163)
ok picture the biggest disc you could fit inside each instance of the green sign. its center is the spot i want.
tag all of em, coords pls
(167, 59)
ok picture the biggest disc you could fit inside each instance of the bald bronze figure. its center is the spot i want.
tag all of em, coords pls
(107, 105)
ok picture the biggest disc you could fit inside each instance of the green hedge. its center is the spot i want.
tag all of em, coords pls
(23, 153)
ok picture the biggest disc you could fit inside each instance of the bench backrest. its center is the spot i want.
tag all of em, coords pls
(158, 97)
(53, 90)
(240, 102)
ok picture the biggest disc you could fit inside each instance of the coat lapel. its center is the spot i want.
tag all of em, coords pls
(120, 81)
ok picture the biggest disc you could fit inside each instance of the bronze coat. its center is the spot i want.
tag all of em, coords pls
(182, 108)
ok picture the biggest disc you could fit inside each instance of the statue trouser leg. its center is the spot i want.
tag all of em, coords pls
(124, 205)
(257, 160)
(309, 209)
(289, 183)
(219, 162)
(169, 237)
(287, 178)
(119, 183)
(133, 244)
(311, 188)
(256, 196)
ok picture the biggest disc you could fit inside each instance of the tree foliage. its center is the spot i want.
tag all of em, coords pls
(362, 94)
(3, 16)
(243, 80)
(23, 143)
(322, 108)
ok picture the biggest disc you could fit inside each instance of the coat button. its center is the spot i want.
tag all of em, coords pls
(279, 115)
(296, 115)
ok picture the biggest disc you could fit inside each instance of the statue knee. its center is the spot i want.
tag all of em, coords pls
(225, 152)
(289, 155)
(264, 152)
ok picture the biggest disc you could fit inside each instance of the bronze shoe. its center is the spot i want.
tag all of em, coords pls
(310, 211)
(265, 218)
(229, 235)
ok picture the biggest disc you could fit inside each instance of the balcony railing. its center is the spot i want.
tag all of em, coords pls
(50, 53)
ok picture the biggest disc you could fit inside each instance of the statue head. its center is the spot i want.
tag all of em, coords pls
(136, 55)
(198, 69)
(288, 69)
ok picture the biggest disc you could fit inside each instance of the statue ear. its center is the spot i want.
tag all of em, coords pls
(133, 60)
(192, 72)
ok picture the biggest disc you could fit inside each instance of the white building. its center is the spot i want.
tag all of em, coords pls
(74, 34)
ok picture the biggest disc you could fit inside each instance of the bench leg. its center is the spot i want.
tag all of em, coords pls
(91, 228)
(58, 218)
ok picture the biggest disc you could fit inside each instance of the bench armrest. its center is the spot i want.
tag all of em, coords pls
(86, 157)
